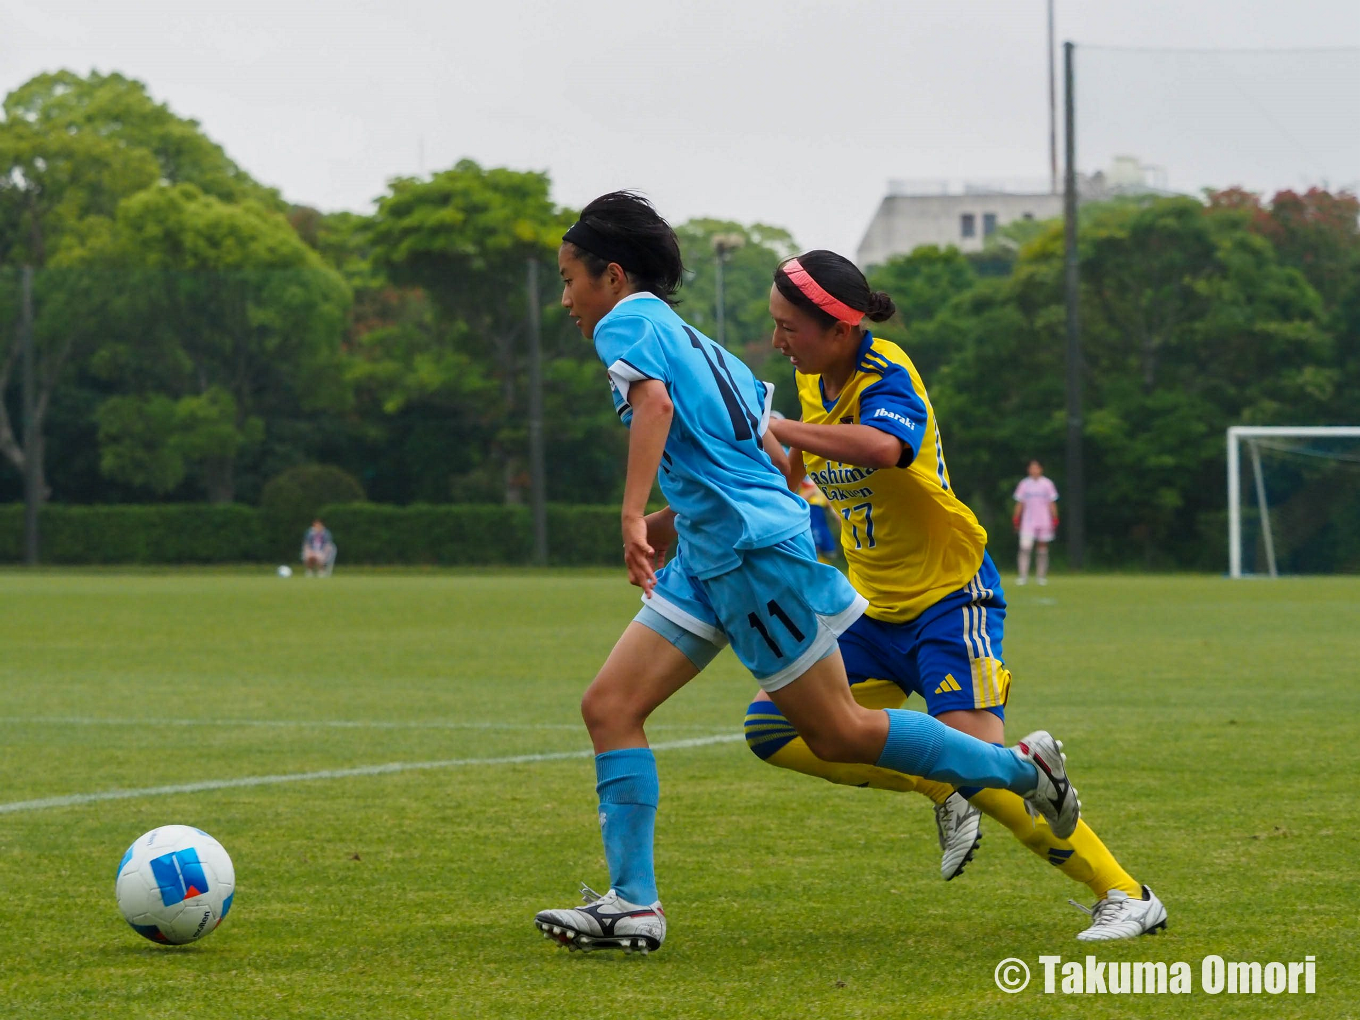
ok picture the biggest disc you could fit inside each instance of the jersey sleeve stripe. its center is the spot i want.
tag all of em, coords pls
(625, 374)
(769, 406)
(868, 364)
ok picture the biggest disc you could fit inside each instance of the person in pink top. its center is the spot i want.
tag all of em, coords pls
(1035, 517)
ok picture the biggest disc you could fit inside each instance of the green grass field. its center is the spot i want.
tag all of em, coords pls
(1211, 727)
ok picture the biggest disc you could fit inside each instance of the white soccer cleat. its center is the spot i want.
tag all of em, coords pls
(1055, 797)
(605, 922)
(1120, 916)
(959, 824)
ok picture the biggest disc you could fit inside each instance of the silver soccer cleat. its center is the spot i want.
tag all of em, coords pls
(1120, 916)
(605, 922)
(959, 825)
(1055, 798)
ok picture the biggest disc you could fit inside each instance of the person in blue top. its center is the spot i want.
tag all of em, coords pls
(318, 550)
(744, 572)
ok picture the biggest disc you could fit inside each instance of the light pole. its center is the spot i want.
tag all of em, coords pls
(32, 441)
(723, 245)
(1052, 110)
(538, 486)
(1074, 490)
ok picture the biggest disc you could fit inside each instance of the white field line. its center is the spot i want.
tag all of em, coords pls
(339, 724)
(75, 799)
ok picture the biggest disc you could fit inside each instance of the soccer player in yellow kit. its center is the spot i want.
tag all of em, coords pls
(869, 439)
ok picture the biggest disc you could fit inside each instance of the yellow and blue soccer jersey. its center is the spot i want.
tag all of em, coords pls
(908, 539)
(728, 495)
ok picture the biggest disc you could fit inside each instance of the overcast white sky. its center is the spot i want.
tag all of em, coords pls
(781, 111)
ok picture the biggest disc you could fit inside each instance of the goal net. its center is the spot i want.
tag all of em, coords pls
(1293, 500)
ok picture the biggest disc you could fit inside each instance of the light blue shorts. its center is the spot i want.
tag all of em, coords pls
(781, 610)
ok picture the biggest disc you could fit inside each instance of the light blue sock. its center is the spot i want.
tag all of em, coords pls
(629, 790)
(921, 746)
(969, 792)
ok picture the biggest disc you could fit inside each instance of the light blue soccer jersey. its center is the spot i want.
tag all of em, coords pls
(727, 494)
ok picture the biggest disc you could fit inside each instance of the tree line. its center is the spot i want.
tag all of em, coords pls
(196, 335)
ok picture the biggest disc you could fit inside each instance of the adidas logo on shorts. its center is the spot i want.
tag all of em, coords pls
(948, 684)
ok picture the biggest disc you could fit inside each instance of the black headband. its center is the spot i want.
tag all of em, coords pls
(615, 249)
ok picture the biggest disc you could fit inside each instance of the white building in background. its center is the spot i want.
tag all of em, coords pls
(965, 215)
(916, 213)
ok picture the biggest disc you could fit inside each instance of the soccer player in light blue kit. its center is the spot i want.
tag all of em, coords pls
(745, 571)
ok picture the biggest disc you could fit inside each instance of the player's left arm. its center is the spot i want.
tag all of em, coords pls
(651, 424)
(776, 452)
(797, 469)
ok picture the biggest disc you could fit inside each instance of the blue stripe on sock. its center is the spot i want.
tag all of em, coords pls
(766, 729)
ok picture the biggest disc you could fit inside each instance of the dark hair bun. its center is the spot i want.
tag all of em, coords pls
(881, 307)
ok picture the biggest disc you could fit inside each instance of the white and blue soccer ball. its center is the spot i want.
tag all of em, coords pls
(175, 884)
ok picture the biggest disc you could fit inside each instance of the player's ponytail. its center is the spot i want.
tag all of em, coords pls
(830, 288)
(881, 307)
(623, 228)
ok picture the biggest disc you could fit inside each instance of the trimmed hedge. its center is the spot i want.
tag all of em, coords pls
(368, 533)
(153, 533)
(471, 534)
(429, 533)
(583, 536)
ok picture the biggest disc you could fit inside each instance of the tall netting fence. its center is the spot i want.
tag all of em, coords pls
(1219, 258)
(1188, 120)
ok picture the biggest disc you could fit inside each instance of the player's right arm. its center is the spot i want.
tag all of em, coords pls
(651, 424)
(860, 445)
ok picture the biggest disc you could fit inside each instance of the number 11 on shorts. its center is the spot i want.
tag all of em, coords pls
(776, 611)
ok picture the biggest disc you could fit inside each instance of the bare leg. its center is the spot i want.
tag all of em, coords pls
(976, 722)
(642, 671)
(821, 708)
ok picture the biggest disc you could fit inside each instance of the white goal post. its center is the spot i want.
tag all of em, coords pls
(1251, 433)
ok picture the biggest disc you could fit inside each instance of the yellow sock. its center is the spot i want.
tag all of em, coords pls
(1083, 858)
(796, 756)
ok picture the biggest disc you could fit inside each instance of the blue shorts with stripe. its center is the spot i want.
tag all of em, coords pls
(950, 655)
(781, 609)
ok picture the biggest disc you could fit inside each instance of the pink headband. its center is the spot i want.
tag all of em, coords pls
(814, 292)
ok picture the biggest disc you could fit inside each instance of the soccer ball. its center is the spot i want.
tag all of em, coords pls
(175, 884)
(285, 571)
